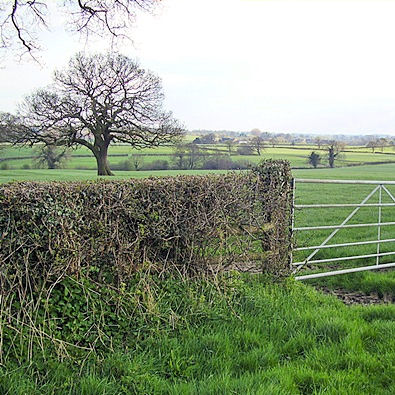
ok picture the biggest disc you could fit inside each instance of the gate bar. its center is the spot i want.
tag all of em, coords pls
(379, 226)
(344, 226)
(344, 205)
(344, 258)
(389, 193)
(343, 223)
(357, 243)
(317, 181)
(344, 271)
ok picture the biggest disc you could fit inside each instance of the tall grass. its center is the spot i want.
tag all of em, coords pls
(241, 334)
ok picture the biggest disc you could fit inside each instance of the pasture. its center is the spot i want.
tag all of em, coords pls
(17, 158)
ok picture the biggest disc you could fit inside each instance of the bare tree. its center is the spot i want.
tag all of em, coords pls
(318, 141)
(51, 156)
(256, 132)
(22, 20)
(258, 144)
(382, 142)
(334, 150)
(229, 145)
(10, 125)
(180, 154)
(273, 141)
(136, 162)
(99, 100)
(187, 156)
(373, 144)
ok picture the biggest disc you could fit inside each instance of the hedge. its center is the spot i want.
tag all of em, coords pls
(107, 230)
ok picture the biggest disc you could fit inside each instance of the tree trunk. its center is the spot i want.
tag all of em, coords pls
(331, 157)
(103, 168)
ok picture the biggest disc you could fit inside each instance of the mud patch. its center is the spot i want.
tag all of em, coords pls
(351, 297)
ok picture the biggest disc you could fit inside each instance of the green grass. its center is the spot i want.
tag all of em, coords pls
(272, 339)
(296, 155)
(263, 339)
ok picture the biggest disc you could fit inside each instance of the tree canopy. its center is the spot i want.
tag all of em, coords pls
(22, 20)
(98, 100)
(10, 126)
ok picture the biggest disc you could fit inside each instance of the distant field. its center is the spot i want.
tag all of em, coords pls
(82, 158)
(367, 172)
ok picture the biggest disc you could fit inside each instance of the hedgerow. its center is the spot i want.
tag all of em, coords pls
(104, 232)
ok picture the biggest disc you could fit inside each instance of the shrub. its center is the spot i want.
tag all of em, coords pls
(220, 162)
(125, 165)
(245, 150)
(159, 164)
(4, 166)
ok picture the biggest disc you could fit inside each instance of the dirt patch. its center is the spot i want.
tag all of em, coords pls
(350, 297)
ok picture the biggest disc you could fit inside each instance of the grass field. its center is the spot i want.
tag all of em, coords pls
(82, 158)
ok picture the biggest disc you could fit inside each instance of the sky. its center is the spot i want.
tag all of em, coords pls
(312, 66)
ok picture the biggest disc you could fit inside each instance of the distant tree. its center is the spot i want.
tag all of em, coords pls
(229, 144)
(258, 144)
(136, 162)
(273, 141)
(10, 126)
(99, 100)
(318, 142)
(194, 154)
(187, 156)
(334, 149)
(51, 156)
(179, 155)
(373, 144)
(314, 159)
(256, 132)
(382, 142)
(208, 139)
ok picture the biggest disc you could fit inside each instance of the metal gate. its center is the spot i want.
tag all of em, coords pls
(378, 187)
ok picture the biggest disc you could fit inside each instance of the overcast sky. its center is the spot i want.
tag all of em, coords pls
(283, 66)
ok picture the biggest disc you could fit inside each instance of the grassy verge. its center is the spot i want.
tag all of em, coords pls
(240, 334)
